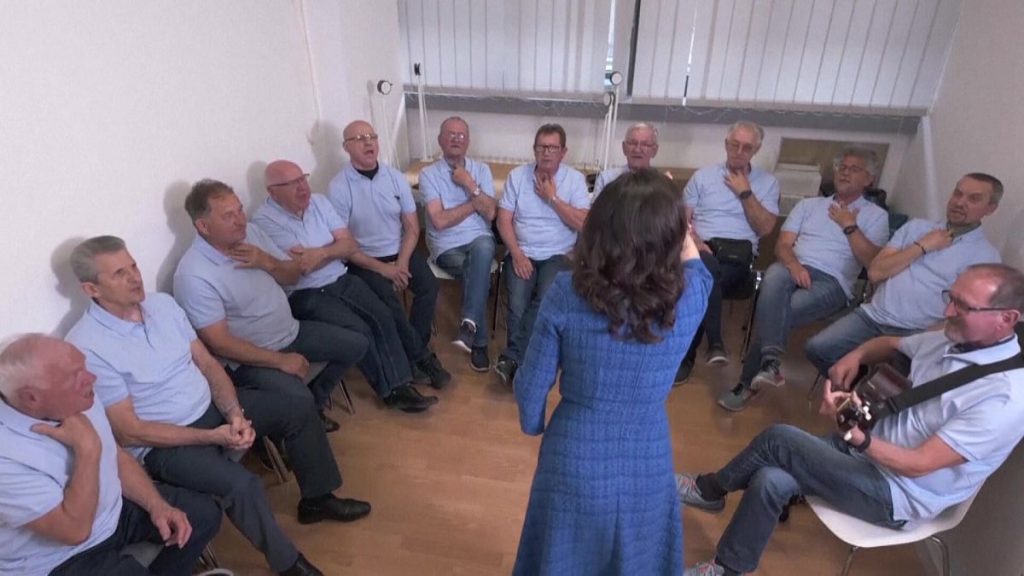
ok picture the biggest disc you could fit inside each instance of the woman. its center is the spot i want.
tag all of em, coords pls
(603, 499)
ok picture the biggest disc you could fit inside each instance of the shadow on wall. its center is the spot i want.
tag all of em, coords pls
(325, 141)
(1013, 247)
(67, 285)
(256, 184)
(181, 228)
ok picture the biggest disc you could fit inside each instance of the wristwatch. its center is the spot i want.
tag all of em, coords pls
(745, 194)
(475, 192)
(850, 229)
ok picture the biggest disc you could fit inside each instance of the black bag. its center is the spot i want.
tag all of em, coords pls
(735, 252)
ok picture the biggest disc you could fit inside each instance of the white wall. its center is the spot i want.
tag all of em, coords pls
(976, 123)
(109, 110)
(509, 137)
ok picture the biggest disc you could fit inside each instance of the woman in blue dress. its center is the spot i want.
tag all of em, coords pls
(617, 326)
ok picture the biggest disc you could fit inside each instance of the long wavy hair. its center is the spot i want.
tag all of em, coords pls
(626, 263)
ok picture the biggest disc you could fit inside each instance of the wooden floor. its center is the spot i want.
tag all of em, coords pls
(449, 488)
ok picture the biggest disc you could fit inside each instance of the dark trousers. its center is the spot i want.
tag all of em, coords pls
(134, 526)
(349, 303)
(414, 330)
(321, 342)
(727, 277)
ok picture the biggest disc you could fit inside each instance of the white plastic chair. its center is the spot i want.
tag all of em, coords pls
(860, 534)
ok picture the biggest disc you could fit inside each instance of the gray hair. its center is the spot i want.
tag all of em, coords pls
(18, 362)
(1009, 285)
(452, 119)
(642, 126)
(992, 181)
(869, 156)
(83, 257)
(752, 127)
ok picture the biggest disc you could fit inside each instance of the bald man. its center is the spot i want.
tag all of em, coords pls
(378, 214)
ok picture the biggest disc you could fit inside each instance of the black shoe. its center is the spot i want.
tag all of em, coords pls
(683, 373)
(419, 376)
(431, 366)
(331, 508)
(478, 359)
(330, 425)
(506, 370)
(302, 567)
(408, 399)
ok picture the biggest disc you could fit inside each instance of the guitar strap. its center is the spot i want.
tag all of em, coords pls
(943, 384)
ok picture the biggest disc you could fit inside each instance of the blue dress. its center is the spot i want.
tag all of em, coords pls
(604, 497)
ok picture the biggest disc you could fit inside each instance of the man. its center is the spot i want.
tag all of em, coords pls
(543, 207)
(922, 259)
(915, 463)
(228, 285)
(732, 201)
(70, 499)
(306, 226)
(640, 146)
(823, 245)
(459, 194)
(378, 217)
(172, 403)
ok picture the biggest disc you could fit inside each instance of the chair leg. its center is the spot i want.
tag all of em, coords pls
(944, 552)
(819, 381)
(849, 560)
(350, 407)
(497, 298)
(209, 559)
(276, 462)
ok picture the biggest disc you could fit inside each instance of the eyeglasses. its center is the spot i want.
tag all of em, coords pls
(734, 146)
(456, 136)
(546, 149)
(290, 183)
(964, 308)
(849, 168)
(362, 138)
(638, 144)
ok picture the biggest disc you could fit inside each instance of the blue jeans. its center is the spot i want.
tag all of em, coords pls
(782, 306)
(524, 297)
(826, 347)
(472, 263)
(782, 462)
(349, 303)
(134, 525)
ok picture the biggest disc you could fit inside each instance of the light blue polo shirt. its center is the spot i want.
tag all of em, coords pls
(982, 421)
(913, 298)
(605, 178)
(540, 231)
(151, 361)
(210, 287)
(34, 470)
(436, 184)
(372, 209)
(821, 243)
(314, 229)
(718, 212)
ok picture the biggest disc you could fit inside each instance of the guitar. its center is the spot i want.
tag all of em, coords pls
(881, 383)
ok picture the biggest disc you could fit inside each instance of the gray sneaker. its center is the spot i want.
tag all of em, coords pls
(716, 356)
(689, 495)
(736, 400)
(769, 375)
(708, 568)
(467, 332)
(505, 368)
